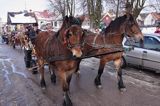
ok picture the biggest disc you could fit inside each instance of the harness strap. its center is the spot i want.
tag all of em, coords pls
(63, 58)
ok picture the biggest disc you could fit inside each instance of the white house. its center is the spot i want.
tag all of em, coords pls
(152, 19)
(44, 17)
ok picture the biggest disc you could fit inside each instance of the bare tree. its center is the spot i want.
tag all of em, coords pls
(63, 7)
(58, 6)
(94, 10)
(71, 7)
(137, 6)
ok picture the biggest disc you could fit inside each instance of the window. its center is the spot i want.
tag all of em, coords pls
(151, 43)
(130, 42)
(55, 23)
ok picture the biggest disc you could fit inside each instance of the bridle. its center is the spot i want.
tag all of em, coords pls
(77, 44)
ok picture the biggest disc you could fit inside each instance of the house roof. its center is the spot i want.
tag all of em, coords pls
(108, 14)
(142, 16)
(156, 15)
(44, 15)
(20, 18)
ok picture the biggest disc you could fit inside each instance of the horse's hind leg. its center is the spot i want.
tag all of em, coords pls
(53, 75)
(41, 70)
(66, 78)
(117, 64)
(97, 80)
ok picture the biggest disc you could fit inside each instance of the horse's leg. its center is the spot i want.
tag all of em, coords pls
(41, 70)
(66, 78)
(21, 44)
(53, 75)
(117, 64)
(78, 65)
(14, 44)
(97, 80)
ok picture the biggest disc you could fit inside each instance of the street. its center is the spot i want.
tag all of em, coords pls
(19, 87)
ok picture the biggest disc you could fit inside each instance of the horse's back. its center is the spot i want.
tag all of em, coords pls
(40, 40)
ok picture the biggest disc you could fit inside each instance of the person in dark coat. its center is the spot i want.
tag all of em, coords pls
(31, 33)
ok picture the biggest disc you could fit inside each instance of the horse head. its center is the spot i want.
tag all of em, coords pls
(132, 28)
(73, 39)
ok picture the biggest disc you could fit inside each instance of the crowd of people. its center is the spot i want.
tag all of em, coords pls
(30, 30)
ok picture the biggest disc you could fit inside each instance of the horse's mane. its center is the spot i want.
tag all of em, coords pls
(53, 44)
(68, 21)
(75, 21)
(115, 25)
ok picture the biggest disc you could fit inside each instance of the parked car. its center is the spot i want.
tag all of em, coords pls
(145, 54)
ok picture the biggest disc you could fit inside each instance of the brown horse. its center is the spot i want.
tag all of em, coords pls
(67, 22)
(108, 45)
(60, 53)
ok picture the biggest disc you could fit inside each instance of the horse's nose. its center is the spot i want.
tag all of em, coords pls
(77, 52)
(139, 37)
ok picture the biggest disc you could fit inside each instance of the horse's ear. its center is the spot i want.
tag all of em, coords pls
(65, 18)
(81, 18)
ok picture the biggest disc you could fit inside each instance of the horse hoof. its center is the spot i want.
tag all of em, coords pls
(99, 86)
(97, 83)
(67, 103)
(123, 89)
(43, 88)
(53, 79)
(43, 84)
(34, 71)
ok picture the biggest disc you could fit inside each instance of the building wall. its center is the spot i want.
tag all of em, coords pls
(149, 20)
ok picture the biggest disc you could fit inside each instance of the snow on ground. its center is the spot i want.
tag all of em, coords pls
(149, 30)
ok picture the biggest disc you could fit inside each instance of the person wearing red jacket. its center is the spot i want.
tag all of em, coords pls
(157, 29)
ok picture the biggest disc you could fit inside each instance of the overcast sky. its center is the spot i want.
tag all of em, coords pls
(40, 5)
(20, 5)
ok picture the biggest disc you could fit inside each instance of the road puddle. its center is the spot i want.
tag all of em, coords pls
(8, 67)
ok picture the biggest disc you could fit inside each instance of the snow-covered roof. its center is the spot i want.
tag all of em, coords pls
(20, 18)
(44, 15)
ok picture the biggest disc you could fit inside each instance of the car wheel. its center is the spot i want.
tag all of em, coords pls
(123, 63)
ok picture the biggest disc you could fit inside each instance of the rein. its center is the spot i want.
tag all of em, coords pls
(70, 57)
